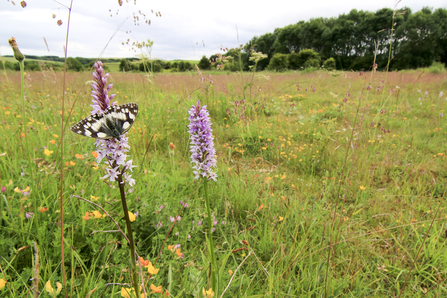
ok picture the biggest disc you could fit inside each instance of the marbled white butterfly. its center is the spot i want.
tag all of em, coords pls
(112, 123)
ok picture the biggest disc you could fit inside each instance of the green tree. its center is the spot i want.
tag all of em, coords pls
(424, 39)
(204, 63)
(263, 44)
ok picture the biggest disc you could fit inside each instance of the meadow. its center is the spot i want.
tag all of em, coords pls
(330, 184)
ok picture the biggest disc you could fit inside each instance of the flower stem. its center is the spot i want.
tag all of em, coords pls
(210, 238)
(22, 87)
(130, 236)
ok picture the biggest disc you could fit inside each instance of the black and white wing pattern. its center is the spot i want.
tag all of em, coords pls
(114, 122)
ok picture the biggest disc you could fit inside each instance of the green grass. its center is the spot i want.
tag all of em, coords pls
(304, 171)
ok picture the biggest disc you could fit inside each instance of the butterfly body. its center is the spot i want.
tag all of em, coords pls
(115, 121)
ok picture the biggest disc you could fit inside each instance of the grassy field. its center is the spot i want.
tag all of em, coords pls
(329, 185)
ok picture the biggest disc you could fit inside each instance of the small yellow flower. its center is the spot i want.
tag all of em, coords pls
(72, 163)
(230, 272)
(362, 187)
(97, 214)
(132, 216)
(56, 136)
(50, 289)
(129, 293)
(7, 112)
(86, 216)
(155, 289)
(18, 190)
(208, 294)
(151, 269)
(48, 152)
(178, 252)
(281, 218)
(53, 142)
(2, 283)
(79, 156)
(93, 198)
(143, 262)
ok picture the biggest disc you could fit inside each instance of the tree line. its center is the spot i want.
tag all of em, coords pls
(55, 63)
(352, 41)
(393, 39)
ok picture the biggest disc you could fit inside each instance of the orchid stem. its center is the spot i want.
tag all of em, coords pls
(130, 236)
(210, 238)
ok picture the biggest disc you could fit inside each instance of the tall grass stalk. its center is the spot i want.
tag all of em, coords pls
(61, 163)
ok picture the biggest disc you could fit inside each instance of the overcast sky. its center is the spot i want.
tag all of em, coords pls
(185, 29)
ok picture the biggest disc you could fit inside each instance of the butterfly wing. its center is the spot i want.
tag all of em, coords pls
(123, 117)
(114, 122)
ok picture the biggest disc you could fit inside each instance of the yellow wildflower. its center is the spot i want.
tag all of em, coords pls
(208, 294)
(151, 269)
(97, 214)
(48, 152)
(50, 289)
(2, 283)
(132, 217)
(155, 289)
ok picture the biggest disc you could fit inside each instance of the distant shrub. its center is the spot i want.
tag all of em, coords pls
(437, 67)
(294, 61)
(153, 66)
(312, 63)
(72, 64)
(329, 64)
(7, 65)
(309, 69)
(125, 65)
(308, 58)
(184, 66)
(279, 62)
